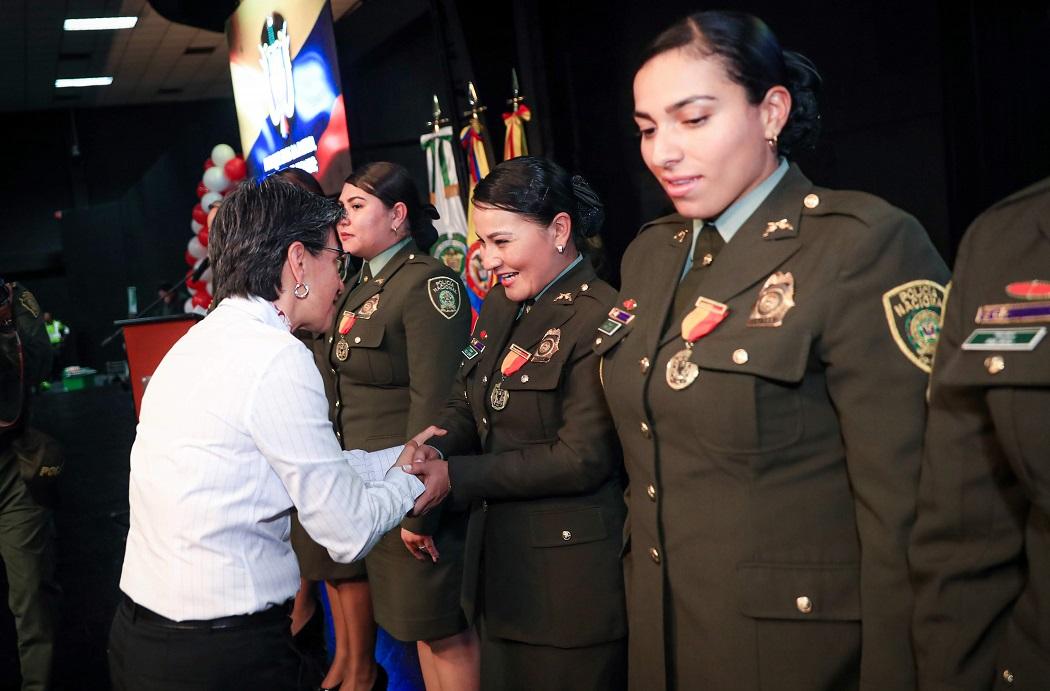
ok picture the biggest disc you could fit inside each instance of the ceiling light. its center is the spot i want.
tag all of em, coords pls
(99, 23)
(83, 81)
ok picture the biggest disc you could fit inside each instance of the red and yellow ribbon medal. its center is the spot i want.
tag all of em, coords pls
(702, 320)
(517, 357)
(342, 348)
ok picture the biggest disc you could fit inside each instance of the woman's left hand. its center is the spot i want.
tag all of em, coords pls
(420, 545)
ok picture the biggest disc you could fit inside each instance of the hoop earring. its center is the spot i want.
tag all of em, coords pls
(305, 288)
(560, 248)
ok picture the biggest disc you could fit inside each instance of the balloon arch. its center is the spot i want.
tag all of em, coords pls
(222, 171)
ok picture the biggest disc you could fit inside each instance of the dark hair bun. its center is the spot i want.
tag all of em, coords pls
(590, 212)
(803, 125)
(430, 211)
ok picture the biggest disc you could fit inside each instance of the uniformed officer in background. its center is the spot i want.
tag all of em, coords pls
(765, 363)
(26, 530)
(980, 553)
(388, 361)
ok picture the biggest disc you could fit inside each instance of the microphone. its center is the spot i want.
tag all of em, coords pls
(199, 271)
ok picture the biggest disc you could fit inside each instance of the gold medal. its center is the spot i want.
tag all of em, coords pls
(342, 349)
(499, 397)
(681, 371)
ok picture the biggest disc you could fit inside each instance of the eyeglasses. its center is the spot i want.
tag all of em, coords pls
(343, 261)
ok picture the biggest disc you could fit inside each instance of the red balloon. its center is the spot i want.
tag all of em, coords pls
(202, 236)
(200, 215)
(208, 164)
(235, 169)
(201, 189)
(201, 299)
(190, 259)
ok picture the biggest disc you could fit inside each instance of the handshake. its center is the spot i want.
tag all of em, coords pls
(426, 463)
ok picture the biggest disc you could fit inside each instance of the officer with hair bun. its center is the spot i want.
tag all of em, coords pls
(530, 444)
(765, 363)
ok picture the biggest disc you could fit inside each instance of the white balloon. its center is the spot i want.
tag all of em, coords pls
(215, 179)
(187, 306)
(221, 154)
(208, 199)
(195, 227)
(196, 249)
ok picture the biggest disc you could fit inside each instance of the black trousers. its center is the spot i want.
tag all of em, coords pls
(146, 655)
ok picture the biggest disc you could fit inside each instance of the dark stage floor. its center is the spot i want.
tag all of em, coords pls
(97, 427)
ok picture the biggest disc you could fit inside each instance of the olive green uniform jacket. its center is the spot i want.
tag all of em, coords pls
(980, 551)
(770, 502)
(543, 476)
(402, 350)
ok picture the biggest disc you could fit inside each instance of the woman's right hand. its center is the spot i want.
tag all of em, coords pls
(420, 545)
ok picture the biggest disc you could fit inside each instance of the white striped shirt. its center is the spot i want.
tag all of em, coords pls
(233, 432)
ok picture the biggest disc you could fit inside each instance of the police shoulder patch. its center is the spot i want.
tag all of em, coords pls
(444, 295)
(913, 311)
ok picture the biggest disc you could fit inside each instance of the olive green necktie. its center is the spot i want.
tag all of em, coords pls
(708, 243)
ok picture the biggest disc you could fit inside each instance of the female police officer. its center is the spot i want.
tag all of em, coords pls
(391, 357)
(530, 444)
(765, 364)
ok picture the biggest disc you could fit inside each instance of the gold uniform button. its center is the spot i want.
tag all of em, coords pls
(598, 341)
(740, 356)
(485, 379)
(566, 535)
(644, 427)
(654, 554)
(811, 201)
(651, 491)
(644, 364)
(411, 256)
(338, 403)
(524, 379)
(329, 339)
(995, 364)
(333, 370)
(708, 259)
(1008, 676)
(584, 287)
(357, 339)
(484, 421)
(804, 604)
(339, 434)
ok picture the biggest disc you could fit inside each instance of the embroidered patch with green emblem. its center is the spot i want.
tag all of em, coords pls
(913, 310)
(444, 295)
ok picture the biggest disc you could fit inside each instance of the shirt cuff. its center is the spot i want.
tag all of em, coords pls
(407, 483)
(374, 466)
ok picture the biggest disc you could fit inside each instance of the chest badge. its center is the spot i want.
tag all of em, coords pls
(369, 308)
(774, 300)
(513, 361)
(548, 346)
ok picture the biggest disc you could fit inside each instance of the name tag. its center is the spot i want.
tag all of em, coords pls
(1005, 339)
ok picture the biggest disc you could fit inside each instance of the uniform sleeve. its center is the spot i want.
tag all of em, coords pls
(967, 547)
(584, 455)
(434, 343)
(36, 346)
(879, 396)
(288, 421)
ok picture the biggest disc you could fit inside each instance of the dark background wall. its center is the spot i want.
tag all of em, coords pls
(937, 106)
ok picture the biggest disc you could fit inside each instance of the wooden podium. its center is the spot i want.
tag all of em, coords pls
(146, 342)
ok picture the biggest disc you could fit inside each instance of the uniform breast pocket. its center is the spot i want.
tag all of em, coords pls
(829, 592)
(1021, 417)
(534, 401)
(567, 527)
(748, 399)
(368, 360)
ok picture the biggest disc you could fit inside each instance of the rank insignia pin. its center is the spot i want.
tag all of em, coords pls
(773, 226)
(564, 297)
(680, 235)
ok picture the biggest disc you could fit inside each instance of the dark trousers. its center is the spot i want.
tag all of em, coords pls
(27, 550)
(147, 655)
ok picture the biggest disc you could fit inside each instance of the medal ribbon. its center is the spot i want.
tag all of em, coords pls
(514, 360)
(702, 319)
(346, 322)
